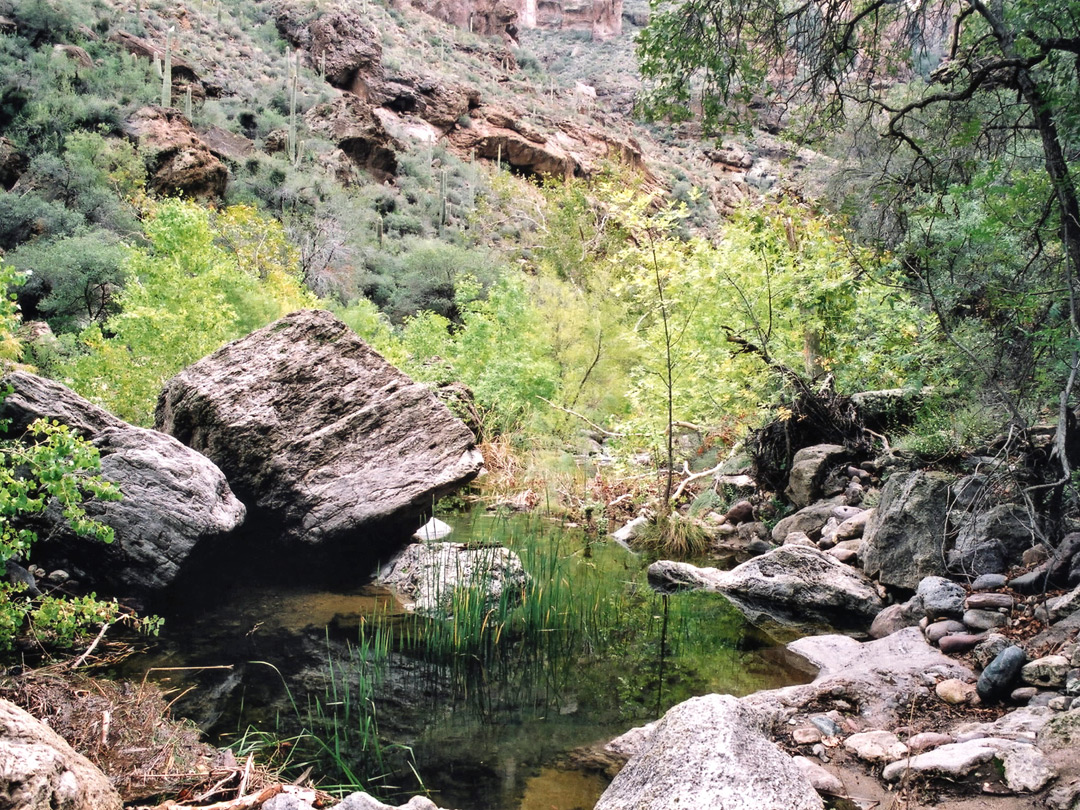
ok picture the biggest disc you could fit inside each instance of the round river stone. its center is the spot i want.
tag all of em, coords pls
(999, 676)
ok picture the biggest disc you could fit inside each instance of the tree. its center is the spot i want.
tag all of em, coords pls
(971, 97)
(203, 280)
(47, 465)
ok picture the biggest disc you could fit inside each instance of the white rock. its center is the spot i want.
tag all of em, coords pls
(1027, 769)
(706, 753)
(631, 531)
(434, 529)
(955, 760)
(876, 746)
(821, 779)
(1021, 724)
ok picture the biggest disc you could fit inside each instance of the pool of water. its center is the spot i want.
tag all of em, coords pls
(483, 712)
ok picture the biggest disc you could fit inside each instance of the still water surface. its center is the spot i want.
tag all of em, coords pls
(486, 714)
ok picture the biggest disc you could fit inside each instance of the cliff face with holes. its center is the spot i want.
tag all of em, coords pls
(603, 18)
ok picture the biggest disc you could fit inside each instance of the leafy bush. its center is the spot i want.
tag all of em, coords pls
(203, 281)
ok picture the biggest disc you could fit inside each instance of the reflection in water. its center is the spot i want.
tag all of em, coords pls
(480, 707)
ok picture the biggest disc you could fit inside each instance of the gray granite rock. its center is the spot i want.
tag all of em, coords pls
(706, 753)
(40, 771)
(326, 443)
(904, 540)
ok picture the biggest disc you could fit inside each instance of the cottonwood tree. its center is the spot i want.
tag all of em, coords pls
(978, 105)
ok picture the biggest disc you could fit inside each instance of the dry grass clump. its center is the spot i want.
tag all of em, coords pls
(124, 728)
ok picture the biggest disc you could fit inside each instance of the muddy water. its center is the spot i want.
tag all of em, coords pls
(339, 676)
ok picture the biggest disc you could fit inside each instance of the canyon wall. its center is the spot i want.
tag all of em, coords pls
(602, 18)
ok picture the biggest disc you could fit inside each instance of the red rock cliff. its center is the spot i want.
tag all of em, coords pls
(503, 17)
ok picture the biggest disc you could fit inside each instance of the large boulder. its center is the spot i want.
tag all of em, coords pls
(174, 498)
(338, 42)
(808, 470)
(708, 753)
(178, 160)
(40, 771)
(791, 584)
(352, 124)
(905, 539)
(992, 541)
(330, 446)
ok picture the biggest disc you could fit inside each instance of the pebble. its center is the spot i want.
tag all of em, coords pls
(1000, 674)
(798, 539)
(1023, 694)
(1072, 683)
(842, 513)
(989, 582)
(806, 735)
(955, 691)
(960, 642)
(826, 726)
(759, 546)
(844, 555)
(1041, 699)
(1031, 582)
(1035, 555)
(939, 598)
(821, 779)
(740, 512)
(984, 619)
(58, 577)
(876, 746)
(1060, 703)
(990, 601)
(938, 630)
(820, 752)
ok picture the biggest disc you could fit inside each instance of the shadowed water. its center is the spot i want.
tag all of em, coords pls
(483, 710)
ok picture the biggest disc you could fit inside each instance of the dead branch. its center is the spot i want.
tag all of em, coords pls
(82, 658)
(693, 477)
(584, 419)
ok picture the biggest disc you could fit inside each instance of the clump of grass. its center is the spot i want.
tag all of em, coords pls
(674, 536)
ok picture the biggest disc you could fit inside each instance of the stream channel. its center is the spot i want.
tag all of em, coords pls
(483, 710)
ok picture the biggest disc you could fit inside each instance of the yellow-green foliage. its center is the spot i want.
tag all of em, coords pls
(206, 278)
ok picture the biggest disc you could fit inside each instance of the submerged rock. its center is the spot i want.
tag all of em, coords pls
(710, 752)
(40, 771)
(427, 575)
(330, 446)
(174, 498)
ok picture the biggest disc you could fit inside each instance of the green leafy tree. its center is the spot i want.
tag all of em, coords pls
(205, 280)
(48, 465)
(964, 93)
